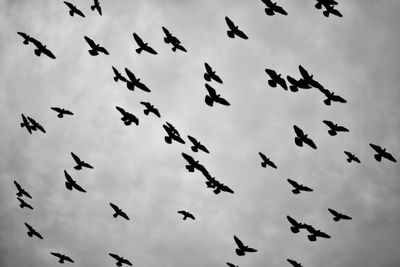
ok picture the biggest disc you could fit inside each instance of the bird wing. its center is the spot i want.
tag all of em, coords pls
(68, 177)
(293, 183)
(222, 101)
(115, 256)
(71, 6)
(131, 76)
(348, 154)
(268, 3)
(182, 212)
(282, 82)
(180, 47)
(250, 249)
(322, 234)
(18, 186)
(67, 258)
(329, 124)
(230, 23)
(143, 87)
(294, 263)
(48, 53)
(299, 132)
(334, 212)
(291, 80)
(150, 50)
(123, 215)
(377, 148)
(191, 216)
(264, 158)
(103, 50)
(115, 207)
(306, 188)
(231, 264)
(193, 140)
(188, 158)
(90, 42)
(68, 112)
(225, 188)
(167, 33)
(241, 34)
(339, 99)
(138, 40)
(121, 110)
(389, 156)
(76, 158)
(217, 78)
(279, 9)
(56, 109)
(126, 262)
(24, 35)
(208, 68)
(29, 227)
(345, 217)
(238, 242)
(342, 129)
(202, 147)
(303, 72)
(146, 104)
(78, 187)
(87, 165)
(79, 12)
(271, 73)
(310, 142)
(56, 254)
(211, 91)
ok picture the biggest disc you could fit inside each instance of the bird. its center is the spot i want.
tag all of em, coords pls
(21, 192)
(210, 74)
(381, 153)
(32, 232)
(296, 84)
(329, 6)
(266, 161)
(71, 184)
(61, 257)
(23, 204)
(120, 260)
(351, 157)
(334, 128)
(217, 186)
(302, 138)
(61, 112)
(186, 215)
(95, 49)
(26, 37)
(234, 30)
(127, 117)
(337, 216)
(272, 8)
(25, 123)
(308, 79)
(80, 163)
(321, 3)
(96, 5)
(194, 164)
(231, 264)
(298, 187)
(294, 263)
(118, 75)
(118, 212)
(213, 97)
(41, 48)
(275, 79)
(143, 46)
(314, 234)
(331, 97)
(172, 134)
(241, 248)
(150, 108)
(35, 125)
(197, 145)
(133, 81)
(73, 10)
(331, 10)
(295, 226)
(171, 39)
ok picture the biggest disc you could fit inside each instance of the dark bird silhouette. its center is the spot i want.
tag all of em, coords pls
(96, 5)
(95, 49)
(25, 123)
(26, 37)
(133, 81)
(217, 186)
(35, 125)
(186, 215)
(120, 260)
(194, 164)
(331, 10)
(118, 212)
(197, 145)
(381, 153)
(351, 157)
(266, 161)
(80, 163)
(74, 10)
(171, 39)
(294, 263)
(210, 74)
(331, 97)
(118, 75)
(275, 79)
(32, 232)
(308, 79)
(242, 249)
(314, 234)
(296, 84)
(272, 8)
(61, 257)
(213, 97)
(298, 187)
(234, 30)
(172, 134)
(61, 112)
(71, 184)
(296, 226)
(127, 117)
(337, 216)
(41, 48)
(143, 46)
(329, 7)
(23, 204)
(334, 128)
(21, 192)
(302, 138)
(150, 108)
(231, 264)
(324, 3)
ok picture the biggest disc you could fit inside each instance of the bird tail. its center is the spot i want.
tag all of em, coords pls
(230, 34)
(272, 83)
(168, 140)
(194, 149)
(139, 50)
(349, 160)
(189, 168)
(312, 238)
(26, 42)
(146, 112)
(318, 5)
(60, 115)
(30, 234)
(166, 40)
(209, 101)
(294, 229)
(68, 186)
(77, 167)
(207, 77)
(336, 219)
(269, 12)
(327, 102)
(93, 52)
(71, 13)
(264, 164)
(326, 13)
(22, 125)
(296, 191)
(174, 48)
(332, 132)
(378, 157)
(298, 141)
(293, 88)
(92, 7)
(130, 86)
(116, 78)
(115, 215)
(37, 52)
(239, 252)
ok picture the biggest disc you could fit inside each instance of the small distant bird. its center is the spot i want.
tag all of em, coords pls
(127, 118)
(40, 48)
(272, 8)
(210, 74)
(150, 108)
(329, 6)
(231, 264)
(61, 257)
(213, 97)
(194, 164)
(143, 46)
(118, 75)
(197, 145)
(171, 39)
(217, 186)
(21, 192)
(315, 233)
(331, 97)
(296, 226)
(95, 49)
(32, 232)
(61, 112)
(337, 216)
(25, 123)
(186, 215)
(71, 184)
(294, 263)
(23, 204)
(118, 212)
(296, 84)
(234, 30)
(172, 134)
(96, 5)
(381, 153)
(133, 81)
(298, 187)
(80, 163)
(351, 157)
(275, 79)
(35, 125)
(321, 3)
(333, 11)
(242, 249)
(266, 161)
(302, 138)
(334, 128)
(73, 10)
(120, 260)
(26, 37)
(308, 79)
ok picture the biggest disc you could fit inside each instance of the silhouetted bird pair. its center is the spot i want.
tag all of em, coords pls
(40, 48)
(132, 82)
(74, 10)
(22, 192)
(313, 233)
(31, 125)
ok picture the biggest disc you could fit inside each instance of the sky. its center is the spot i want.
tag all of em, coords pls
(356, 56)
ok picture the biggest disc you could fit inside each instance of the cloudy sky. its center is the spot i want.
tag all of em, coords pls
(355, 56)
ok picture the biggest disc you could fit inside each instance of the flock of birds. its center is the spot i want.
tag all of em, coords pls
(306, 81)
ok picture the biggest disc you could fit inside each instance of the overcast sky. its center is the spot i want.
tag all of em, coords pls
(356, 56)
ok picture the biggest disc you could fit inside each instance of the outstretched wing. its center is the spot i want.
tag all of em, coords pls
(78, 187)
(222, 101)
(292, 221)
(334, 212)
(329, 124)
(339, 99)
(241, 34)
(377, 148)
(103, 50)
(238, 242)
(303, 72)
(138, 40)
(272, 74)
(115, 256)
(76, 158)
(306, 188)
(342, 129)
(48, 53)
(230, 23)
(90, 42)
(68, 177)
(150, 50)
(279, 9)
(30, 228)
(126, 262)
(299, 132)
(87, 165)
(211, 91)
(293, 183)
(131, 76)
(294, 263)
(71, 6)
(389, 156)
(310, 142)
(18, 186)
(188, 158)
(121, 110)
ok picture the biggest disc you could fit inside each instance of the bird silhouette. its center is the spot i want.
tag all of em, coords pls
(95, 49)
(210, 74)
(32, 232)
(351, 157)
(35, 125)
(171, 39)
(295, 226)
(234, 30)
(314, 234)
(266, 161)
(80, 163)
(96, 5)
(186, 215)
(329, 6)
(275, 79)
(308, 78)
(194, 165)
(127, 118)
(231, 264)
(61, 112)
(294, 263)
(71, 184)
(321, 3)
(150, 108)
(381, 153)
(74, 10)
(241, 248)
(134, 82)
(118, 212)
(26, 37)
(331, 97)
(61, 257)
(218, 186)
(23, 204)
(118, 75)
(197, 145)
(273, 8)
(21, 192)
(25, 123)
(41, 49)
(334, 128)
(337, 216)
(143, 46)
(298, 187)
(213, 97)
(172, 134)
(302, 138)
(120, 260)
(296, 84)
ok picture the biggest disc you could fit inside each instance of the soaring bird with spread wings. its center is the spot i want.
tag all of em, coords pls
(172, 134)
(74, 10)
(381, 153)
(21, 191)
(96, 5)
(197, 145)
(273, 8)
(337, 216)
(80, 163)
(95, 49)
(275, 79)
(214, 97)
(127, 118)
(23, 204)
(143, 46)
(298, 187)
(210, 74)
(334, 128)
(61, 257)
(32, 232)
(118, 212)
(266, 161)
(71, 184)
(120, 260)
(186, 215)
(150, 109)
(61, 112)
(303, 138)
(241, 248)
(234, 30)
(134, 82)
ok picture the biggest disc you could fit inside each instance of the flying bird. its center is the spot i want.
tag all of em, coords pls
(329, 7)
(171, 39)
(314, 234)
(213, 97)
(381, 153)
(95, 49)
(294, 263)
(296, 84)
(61, 257)
(194, 164)
(150, 108)
(275, 79)
(73, 10)
(26, 37)
(120, 260)
(96, 5)
(334, 128)
(298, 187)
(331, 97)
(272, 8)
(80, 163)
(21, 192)
(302, 138)
(61, 112)
(231, 264)
(234, 30)
(308, 79)
(127, 117)
(186, 215)
(337, 216)
(172, 134)
(118, 212)
(210, 74)
(118, 75)
(266, 161)
(133, 81)
(32, 232)
(351, 157)
(40, 48)
(25, 123)
(241, 248)
(143, 46)
(324, 3)
(295, 226)
(217, 186)
(71, 184)
(23, 204)
(35, 125)
(197, 145)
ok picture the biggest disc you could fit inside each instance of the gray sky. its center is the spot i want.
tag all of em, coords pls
(355, 56)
